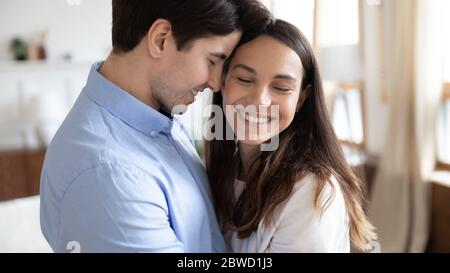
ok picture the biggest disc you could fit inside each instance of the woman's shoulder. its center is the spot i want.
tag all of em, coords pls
(302, 201)
(307, 186)
(321, 228)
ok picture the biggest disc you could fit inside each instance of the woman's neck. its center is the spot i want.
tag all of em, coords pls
(248, 154)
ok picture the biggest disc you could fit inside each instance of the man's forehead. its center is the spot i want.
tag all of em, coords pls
(221, 46)
(221, 39)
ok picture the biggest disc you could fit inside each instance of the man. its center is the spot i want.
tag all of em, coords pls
(121, 174)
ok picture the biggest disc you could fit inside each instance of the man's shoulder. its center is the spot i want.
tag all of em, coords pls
(116, 176)
(85, 144)
(84, 140)
(66, 163)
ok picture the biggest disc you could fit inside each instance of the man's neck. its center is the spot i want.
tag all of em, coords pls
(128, 72)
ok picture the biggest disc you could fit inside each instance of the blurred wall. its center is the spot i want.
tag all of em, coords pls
(79, 27)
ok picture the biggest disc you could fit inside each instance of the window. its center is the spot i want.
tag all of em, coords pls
(347, 114)
(348, 121)
(443, 134)
(338, 22)
(297, 12)
(338, 42)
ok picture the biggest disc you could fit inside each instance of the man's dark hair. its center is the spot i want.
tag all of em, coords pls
(190, 19)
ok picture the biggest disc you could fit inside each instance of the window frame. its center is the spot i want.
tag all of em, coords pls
(359, 86)
(446, 91)
(441, 165)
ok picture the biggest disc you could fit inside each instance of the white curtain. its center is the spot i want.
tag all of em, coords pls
(429, 77)
(399, 205)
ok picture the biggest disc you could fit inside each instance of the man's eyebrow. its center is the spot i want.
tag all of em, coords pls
(245, 67)
(219, 55)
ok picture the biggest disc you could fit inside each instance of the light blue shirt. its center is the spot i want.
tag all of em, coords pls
(120, 176)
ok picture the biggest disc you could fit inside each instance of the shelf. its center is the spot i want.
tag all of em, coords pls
(12, 66)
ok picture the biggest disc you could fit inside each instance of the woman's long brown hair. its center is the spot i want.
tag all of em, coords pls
(308, 145)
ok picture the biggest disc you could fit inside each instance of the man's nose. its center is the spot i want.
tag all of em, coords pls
(214, 81)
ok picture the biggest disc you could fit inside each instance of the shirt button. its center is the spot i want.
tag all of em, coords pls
(153, 133)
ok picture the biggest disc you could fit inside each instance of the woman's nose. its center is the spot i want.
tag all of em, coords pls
(262, 97)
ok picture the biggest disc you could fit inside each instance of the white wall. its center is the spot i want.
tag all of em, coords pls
(80, 27)
(34, 100)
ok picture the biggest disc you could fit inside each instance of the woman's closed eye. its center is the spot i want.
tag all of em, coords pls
(244, 80)
(283, 89)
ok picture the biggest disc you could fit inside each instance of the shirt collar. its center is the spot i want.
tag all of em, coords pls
(124, 106)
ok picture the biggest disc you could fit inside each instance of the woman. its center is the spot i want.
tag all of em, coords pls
(301, 196)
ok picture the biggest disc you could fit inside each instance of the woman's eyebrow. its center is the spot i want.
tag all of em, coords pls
(253, 71)
(245, 67)
(285, 77)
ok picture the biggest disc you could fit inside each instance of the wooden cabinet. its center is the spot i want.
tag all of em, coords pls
(440, 218)
(20, 173)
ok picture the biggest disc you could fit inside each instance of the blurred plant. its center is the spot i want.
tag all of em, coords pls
(19, 49)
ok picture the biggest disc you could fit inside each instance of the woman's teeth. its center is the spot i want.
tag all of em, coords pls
(252, 119)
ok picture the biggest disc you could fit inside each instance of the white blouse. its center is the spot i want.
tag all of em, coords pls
(297, 226)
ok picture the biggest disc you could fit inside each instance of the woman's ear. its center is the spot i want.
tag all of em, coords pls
(157, 37)
(304, 94)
